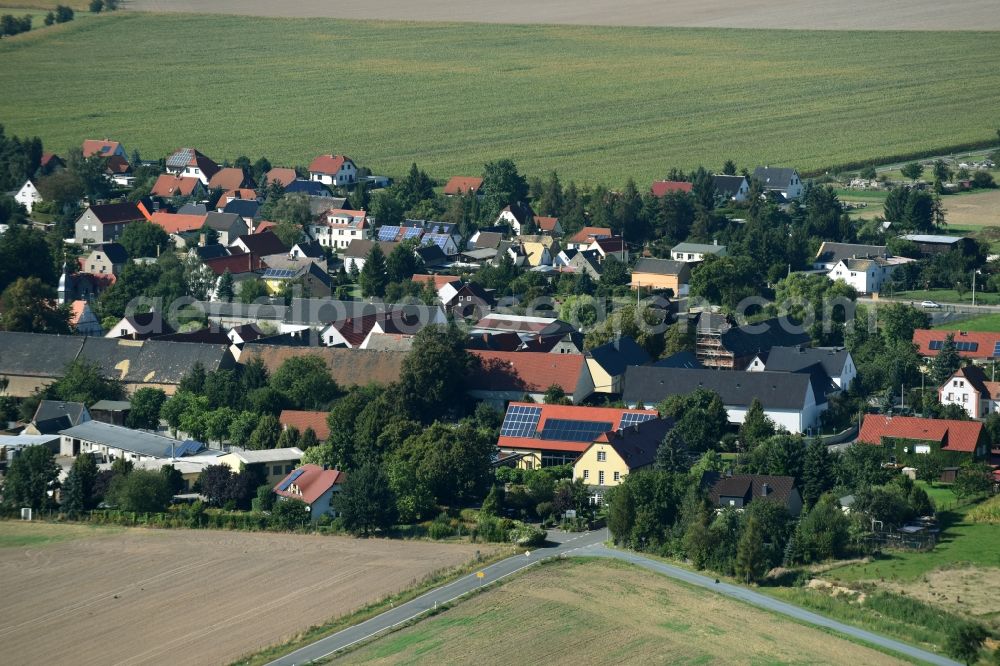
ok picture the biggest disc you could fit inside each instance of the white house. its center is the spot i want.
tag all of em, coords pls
(28, 195)
(867, 276)
(830, 254)
(695, 252)
(783, 181)
(190, 163)
(836, 362)
(969, 389)
(731, 188)
(516, 215)
(337, 227)
(314, 486)
(336, 170)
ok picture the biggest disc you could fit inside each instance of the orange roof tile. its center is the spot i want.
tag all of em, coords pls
(311, 483)
(590, 234)
(173, 223)
(952, 435)
(281, 175)
(663, 187)
(612, 415)
(986, 342)
(228, 178)
(438, 280)
(327, 164)
(292, 418)
(100, 147)
(169, 185)
(531, 372)
(458, 185)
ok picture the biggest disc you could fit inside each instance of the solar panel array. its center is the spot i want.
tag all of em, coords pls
(937, 345)
(520, 421)
(441, 240)
(568, 430)
(412, 232)
(629, 418)
(291, 479)
(180, 158)
(996, 349)
(388, 233)
(279, 274)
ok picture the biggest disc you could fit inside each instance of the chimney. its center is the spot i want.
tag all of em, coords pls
(715, 241)
(765, 490)
(202, 240)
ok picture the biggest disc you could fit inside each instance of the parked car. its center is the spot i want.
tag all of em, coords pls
(929, 304)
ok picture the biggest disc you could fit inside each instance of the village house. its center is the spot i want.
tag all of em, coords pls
(662, 188)
(271, 464)
(731, 188)
(979, 346)
(190, 163)
(228, 226)
(498, 322)
(348, 367)
(103, 148)
(83, 319)
(506, 376)
(237, 194)
(140, 327)
(830, 254)
(778, 180)
(695, 252)
(336, 228)
(50, 164)
(615, 454)
(114, 412)
(541, 435)
(230, 178)
(461, 185)
(548, 225)
(315, 281)
(969, 388)
(611, 246)
(794, 401)
(105, 259)
(931, 244)
(516, 216)
(607, 363)
(281, 175)
(28, 195)
(466, 300)
(738, 490)
(261, 244)
(180, 228)
(103, 223)
(109, 442)
(867, 276)
(836, 362)
(662, 274)
(169, 185)
(53, 416)
(118, 170)
(303, 420)
(584, 238)
(357, 252)
(314, 486)
(539, 250)
(721, 344)
(336, 170)
(911, 435)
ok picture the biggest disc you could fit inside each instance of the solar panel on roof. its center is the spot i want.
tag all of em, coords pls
(278, 274)
(520, 421)
(388, 233)
(412, 232)
(291, 479)
(935, 345)
(996, 349)
(631, 419)
(967, 346)
(569, 430)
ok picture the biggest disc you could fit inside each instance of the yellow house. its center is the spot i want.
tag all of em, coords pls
(615, 455)
(607, 363)
(662, 274)
(274, 464)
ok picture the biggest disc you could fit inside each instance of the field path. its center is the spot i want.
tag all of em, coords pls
(590, 544)
(792, 14)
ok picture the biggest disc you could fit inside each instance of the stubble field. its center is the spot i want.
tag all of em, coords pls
(595, 103)
(598, 612)
(82, 596)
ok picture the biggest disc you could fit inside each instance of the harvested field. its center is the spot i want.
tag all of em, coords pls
(973, 592)
(600, 612)
(976, 209)
(192, 596)
(805, 14)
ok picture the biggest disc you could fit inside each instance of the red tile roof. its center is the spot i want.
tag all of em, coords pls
(987, 342)
(117, 164)
(952, 435)
(47, 158)
(100, 147)
(310, 485)
(76, 309)
(244, 193)
(662, 187)
(174, 223)
(281, 175)
(237, 264)
(264, 226)
(438, 280)
(530, 372)
(546, 223)
(328, 164)
(228, 178)
(612, 415)
(590, 234)
(291, 418)
(463, 185)
(169, 185)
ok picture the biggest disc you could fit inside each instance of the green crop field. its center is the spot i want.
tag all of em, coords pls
(596, 612)
(597, 104)
(988, 322)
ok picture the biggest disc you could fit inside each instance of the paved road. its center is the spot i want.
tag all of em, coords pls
(589, 544)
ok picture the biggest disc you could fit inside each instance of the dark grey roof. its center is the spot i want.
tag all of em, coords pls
(649, 385)
(777, 177)
(432, 255)
(153, 361)
(488, 239)
(728, 185)
(682, 359)
(258, 311)
(115, 253)
(112, 405)
(263, 244)
(320, 311)
(794, 359)
(213, 251)
(192, 209)
(19, 353)
(835, 252)
(637, 444)
(243, 207)
(312, 249)
(321, 204)
(660, 266)
(224, 221)
(616, 355)
(54, 415)
(135, 441)
(117, 212)
(521, 211)
(299, 186)
(748, 486)
(751, 339)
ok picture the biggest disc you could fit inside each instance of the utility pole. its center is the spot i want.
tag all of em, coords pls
(974, 271)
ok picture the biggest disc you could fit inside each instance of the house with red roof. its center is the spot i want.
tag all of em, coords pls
(615, 454)
(540, 435)
(192, 164)
(313, 485)
(911, 436)
(305, 420)
(584, 238)
(177, 225)
(103, 148)
(337, 227)
(613, 246)
(548, 225)
(83, 319)
(506, 376)
(969, 388)
(458, 186)
(662, 188)
(281, 175)
(974, 345)
(169, 185)
(336, 170)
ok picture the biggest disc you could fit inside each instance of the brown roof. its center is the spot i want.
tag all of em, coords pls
(236, 264)
(546, 223)
(532, 372)
(244, 193)
(281, 175)
(300, 420)
(751, 486)
(100, 147)
(117, 212)
(589, 234)
(174, 223)
(662, 187)
(169, 185)
(264, 243)
(359, 248)
(463, 185)
(952, 435)
(310, 482)
(328, 164)
(437, 280)
(118, 165)
(229, 178)
(349, 367)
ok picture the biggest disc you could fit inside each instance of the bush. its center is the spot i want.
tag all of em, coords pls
(490, 528)
(987, 513)
(527, 535)
(64, 14)
(440, 528)
(96, 6)
(289, 514)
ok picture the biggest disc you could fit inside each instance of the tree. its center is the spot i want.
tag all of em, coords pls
(756, 427)
(251, 290)
(680, 337)
(78, 490)
(82, 381)
(63, 14)
(24, 253)
(913, 171)
(144, 412)
(366, 502)
(899, 320)
(50, 18)
(266, 434)
(141, 491)
(215, 483)
(751, 561)
(672, 455)
(434, 374)
(96, 6)
(781, 455)
(823, 533)
(218, 423)
(947, 361)
(972, 479)
(29, 306)
(30, 477)
(729, 168)
(373, 278)
(224, 292)
(726, 281)
(144, 239)
(555, 395)
(942, 172)
(288, 232)
(241, 428)
(868, 172)
(289, 438)
(621, 513)
(194, 380)
(502, 186)
(306, 382)
(965, 641)
(817, 472)
(453, 461)
(289, 514)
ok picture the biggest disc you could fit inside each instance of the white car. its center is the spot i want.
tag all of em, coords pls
(929, 304)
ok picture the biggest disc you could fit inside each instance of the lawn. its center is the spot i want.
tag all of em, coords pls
(946, 296)
(989, 322)
(596, 104)
(18, 534)
(597, 611)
